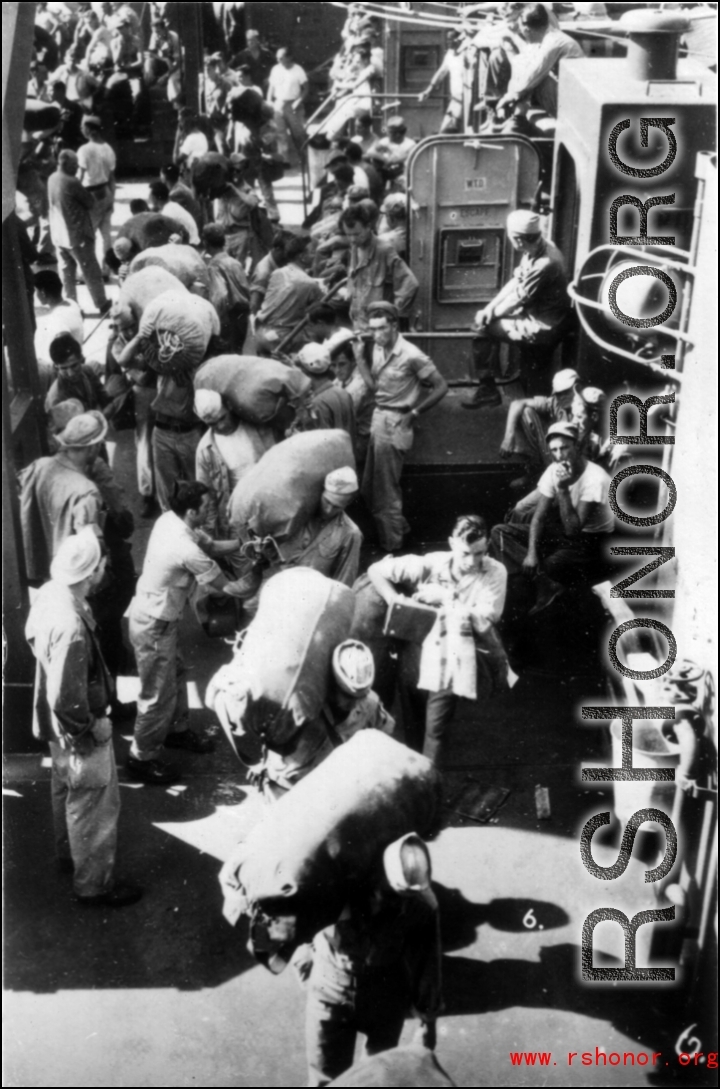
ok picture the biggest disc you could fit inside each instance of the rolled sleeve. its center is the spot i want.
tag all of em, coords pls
(201, 567)
(411, 569)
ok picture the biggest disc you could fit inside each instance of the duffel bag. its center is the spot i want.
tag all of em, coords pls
(41, 116)
(279, 677)
(176, 328)
(402, 1066)
(182, 261)
(281, 493)
(140, 288)
(297, 868)
(254, 388)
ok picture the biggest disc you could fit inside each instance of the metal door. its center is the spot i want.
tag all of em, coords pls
(461, 189)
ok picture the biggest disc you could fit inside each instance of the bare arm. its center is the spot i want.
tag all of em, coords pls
(513, 418)
(438, 389)
(536, 531)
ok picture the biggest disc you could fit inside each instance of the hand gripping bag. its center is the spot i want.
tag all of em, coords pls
(182, 261)
(140, 288)
(325, 837)
(278, 678)
(254, 388)
(279, 494)
(177, 327)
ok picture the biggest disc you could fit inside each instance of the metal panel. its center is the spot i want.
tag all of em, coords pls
(461, 190)
(412, 56)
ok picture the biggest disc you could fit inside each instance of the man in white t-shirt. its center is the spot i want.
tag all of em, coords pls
(287, 91)
(97, 163)
(563, 545)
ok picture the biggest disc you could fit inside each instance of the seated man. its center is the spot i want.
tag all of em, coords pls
(529, 418)
(330, 542)
(532, 308)
(533, 81)
(564, 542)
(329, 406)
(392, 152)
(468, 589)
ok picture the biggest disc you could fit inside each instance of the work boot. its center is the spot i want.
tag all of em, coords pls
(547, 591)
(116, 897)
(154, 772)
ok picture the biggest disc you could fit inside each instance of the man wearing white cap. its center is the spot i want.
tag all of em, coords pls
(565, 541)
(57, 497)
(330, 542)
(73, 692)
(348, 377)
(589, 412)
(379, 962)
(226, 451)
(528, 420)
(532, 308)
(329, 405)
(351, 706)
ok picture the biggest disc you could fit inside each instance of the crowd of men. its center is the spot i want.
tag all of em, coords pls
(330, 301)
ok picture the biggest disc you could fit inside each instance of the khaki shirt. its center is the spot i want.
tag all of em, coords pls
(399, 374)
(56, 500)
(73, 686)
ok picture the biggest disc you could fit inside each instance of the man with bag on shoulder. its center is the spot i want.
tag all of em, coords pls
(73, 692)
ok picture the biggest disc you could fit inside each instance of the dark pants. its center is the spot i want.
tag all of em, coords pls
(567, 560)
(441, 707)
(341, 1004)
